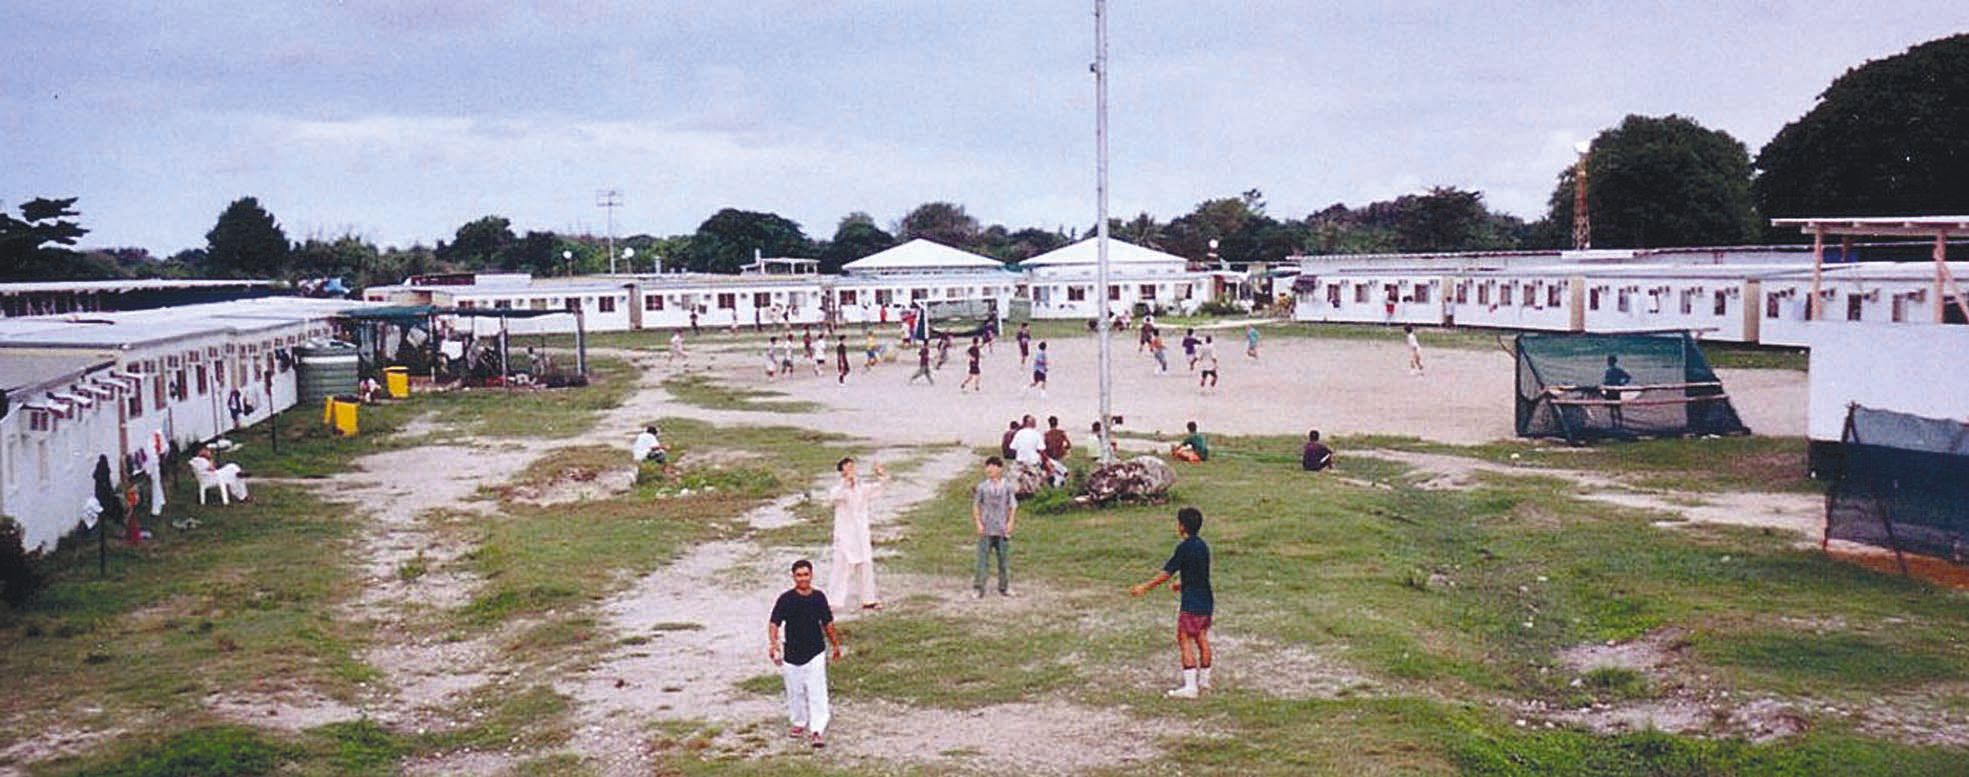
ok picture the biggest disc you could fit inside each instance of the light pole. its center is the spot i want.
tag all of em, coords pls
(610, 199)
(1101, 225)
(567, 260)
(1582, 223)
(628, 253)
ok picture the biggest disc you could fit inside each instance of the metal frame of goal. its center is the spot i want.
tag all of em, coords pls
(1562, 390)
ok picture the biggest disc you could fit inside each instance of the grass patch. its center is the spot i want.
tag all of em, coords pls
(214, 751)
(539, 413)
(711, 393)
(1815, 663)
(1681, 464)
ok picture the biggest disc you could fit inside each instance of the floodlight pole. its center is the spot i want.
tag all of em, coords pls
(610, 199)
(1101, 225)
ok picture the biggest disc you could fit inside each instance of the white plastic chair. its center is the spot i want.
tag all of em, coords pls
(209, 479)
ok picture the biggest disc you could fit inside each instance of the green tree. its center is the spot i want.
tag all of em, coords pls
(943, 222)
(1664, 181)
(348, 257)
(1238, 224)
(246, 243)
(1449, 219)
(856, 237)
(1890, 137)
(36, 245)
(726, 241)
(479, 243)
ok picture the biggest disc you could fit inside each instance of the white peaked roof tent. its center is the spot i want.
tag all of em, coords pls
(920, 254)
(1087, 251)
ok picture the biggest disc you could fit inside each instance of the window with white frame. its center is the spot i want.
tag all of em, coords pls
(1076, 293)
(605, 304)
(652, 302)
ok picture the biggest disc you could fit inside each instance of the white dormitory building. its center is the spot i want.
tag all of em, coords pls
(1747, 295)
(874, 289)
(109, 384)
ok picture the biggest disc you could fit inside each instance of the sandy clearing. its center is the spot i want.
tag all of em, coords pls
(1338, 386)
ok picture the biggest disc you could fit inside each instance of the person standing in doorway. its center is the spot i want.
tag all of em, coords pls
(994, 512)
(854, 554)
(801, 655)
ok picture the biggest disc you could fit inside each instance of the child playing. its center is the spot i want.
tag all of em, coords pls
(1190, 564)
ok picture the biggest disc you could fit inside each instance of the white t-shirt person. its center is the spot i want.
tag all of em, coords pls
(1027, 444)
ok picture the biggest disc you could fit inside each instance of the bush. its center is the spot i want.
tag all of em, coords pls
(218, 751)
(1219, 307)
(18, 580)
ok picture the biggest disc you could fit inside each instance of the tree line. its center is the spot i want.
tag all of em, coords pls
(1884, 138)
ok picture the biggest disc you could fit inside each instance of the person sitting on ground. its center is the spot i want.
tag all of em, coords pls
(648, 447)
(368, 390)
(1028, 444)
(1193, 448)
(1057, 446)
(1005, 445)
(229, 476)
(1316, 456)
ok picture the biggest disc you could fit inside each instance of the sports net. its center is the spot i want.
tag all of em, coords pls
(1656, 385)
(1904, 485)
(970, 317)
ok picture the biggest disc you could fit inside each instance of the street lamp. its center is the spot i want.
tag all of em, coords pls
(567, 259)
(629, 252)
(1213, 255)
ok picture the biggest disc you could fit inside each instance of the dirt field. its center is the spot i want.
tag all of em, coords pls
(1338, 386)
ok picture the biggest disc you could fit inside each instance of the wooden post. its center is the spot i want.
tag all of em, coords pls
(1818, 268)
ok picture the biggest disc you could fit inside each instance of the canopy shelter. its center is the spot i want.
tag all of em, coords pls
(1937, 228)
(372, 333)
(1594, 386)
(1903, 484)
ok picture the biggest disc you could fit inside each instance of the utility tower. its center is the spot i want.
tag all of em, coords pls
(1582, 224)
(610, 199)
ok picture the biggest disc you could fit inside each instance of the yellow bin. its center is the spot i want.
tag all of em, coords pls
(340, 415)
(397, 381)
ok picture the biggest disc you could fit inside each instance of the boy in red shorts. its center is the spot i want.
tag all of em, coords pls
(1191, 566)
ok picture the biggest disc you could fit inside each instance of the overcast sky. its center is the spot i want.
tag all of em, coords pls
(402, 119)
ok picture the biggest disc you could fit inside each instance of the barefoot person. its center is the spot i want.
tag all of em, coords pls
(854, 556)
(994, 512)
(1193, 448)
(802, 660)
(1190, 565)
(1414, 350)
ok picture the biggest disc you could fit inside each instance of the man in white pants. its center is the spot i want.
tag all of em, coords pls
(803, 664)
(854, 555)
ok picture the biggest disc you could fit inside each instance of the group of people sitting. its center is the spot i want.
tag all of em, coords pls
(1195, 448)
(1042, 451)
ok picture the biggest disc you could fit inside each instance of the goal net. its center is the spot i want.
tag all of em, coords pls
(970, 317)
(1585, 387)
(1903, 484)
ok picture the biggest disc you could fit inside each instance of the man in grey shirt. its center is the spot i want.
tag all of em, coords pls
(995, 511)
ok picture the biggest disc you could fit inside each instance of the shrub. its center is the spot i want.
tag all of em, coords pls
(18, 579)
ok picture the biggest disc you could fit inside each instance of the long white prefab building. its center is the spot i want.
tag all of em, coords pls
(1744, 294)
(180, 375)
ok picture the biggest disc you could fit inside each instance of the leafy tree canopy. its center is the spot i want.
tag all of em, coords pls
(36, 245)
(1890, 137)
(479, 243)
(246, 243)
(1664, 181)
(942, 222)
(856, 237)
(726, 241)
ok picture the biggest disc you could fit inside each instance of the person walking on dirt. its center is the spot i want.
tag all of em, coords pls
(1414, 350)
(841, 359)
(1039, 365)
(1189, 347)
(1206, 355)
(1025, 342)
(923, 364)
(1251, 340)
(854, 556)
(801, 655)
(975, 376)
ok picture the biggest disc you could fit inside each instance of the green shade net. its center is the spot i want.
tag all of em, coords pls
(1905, 484)
(1672, 392)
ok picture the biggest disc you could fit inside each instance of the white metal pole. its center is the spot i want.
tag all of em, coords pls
(1101, 224)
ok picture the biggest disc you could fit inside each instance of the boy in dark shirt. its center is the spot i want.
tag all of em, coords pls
(804, 612)
(1190, 564)
(1316, 456)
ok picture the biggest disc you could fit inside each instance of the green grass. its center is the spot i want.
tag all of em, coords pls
(1526, 571)
(713, 394)
(1747, 463)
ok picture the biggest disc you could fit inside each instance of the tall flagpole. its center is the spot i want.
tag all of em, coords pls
(1101, 224)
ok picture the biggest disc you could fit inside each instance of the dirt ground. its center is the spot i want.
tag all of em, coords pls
(1337, 386)
(681, 657)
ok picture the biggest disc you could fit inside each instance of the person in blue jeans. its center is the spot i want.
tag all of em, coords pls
(995, 512)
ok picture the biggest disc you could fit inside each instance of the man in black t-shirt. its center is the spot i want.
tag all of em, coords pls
(1190, 565)
(804, 612)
